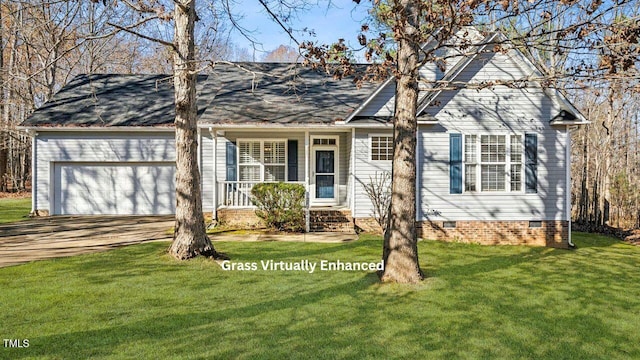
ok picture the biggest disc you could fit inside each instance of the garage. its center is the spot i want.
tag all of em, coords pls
(114, 188)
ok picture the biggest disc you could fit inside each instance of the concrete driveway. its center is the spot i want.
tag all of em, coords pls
(58, 236)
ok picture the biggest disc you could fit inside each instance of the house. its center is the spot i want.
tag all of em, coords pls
(493, 162)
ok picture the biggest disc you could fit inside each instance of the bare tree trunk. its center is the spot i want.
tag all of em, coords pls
(609, 151)
(584, 191)
(400, 251)
(4, 127)
(10, 98)
(636, 210)
(190, 238)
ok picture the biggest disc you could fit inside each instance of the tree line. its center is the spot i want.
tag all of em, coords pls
(44, 44)
(606, 158)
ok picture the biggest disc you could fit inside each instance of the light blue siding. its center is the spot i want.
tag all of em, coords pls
(498, 110)
(366, 169)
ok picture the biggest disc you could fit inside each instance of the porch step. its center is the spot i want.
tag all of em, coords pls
(330, 221)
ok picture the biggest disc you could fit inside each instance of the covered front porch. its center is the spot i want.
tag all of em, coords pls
(318, 159)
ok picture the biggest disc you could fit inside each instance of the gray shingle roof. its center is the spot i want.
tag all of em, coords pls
(242, 93)
(281, 93)
(108, 100)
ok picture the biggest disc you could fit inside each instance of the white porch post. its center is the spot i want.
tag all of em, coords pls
(418, 175)
(199, 138)
(353, 173)
(306, 179)
(214, 135)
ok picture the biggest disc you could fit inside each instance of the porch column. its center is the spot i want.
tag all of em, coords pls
(214, 135)
(353, 173)
(306, 178)
(418, 175)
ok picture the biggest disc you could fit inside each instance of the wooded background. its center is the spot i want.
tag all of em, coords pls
(44, 44)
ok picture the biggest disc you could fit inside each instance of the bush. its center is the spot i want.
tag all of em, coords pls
(379, 192)
(280, 205)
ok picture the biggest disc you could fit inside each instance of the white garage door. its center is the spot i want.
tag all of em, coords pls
(114, 189)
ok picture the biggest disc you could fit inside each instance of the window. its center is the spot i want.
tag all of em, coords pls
(381, 147)
(470, 160)
(535, 224)
(492, 160)
(322, 141)
(493, 163)
(516, 163)
(449, 224)
(249, 161)
(262, 160)
(274, 160)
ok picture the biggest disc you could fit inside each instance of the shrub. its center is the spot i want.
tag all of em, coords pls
(379, 192)
(280, 205)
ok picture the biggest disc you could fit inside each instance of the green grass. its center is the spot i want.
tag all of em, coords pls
(478, 302)
(14, 209)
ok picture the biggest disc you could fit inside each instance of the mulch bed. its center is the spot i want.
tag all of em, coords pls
(631, 236)
(14, 195)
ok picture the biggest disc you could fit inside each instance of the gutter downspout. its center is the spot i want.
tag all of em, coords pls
(34, 172)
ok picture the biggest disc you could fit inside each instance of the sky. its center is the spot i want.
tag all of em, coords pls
(341, 20)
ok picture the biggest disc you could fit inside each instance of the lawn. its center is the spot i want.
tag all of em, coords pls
(478, 302)
(14, 209)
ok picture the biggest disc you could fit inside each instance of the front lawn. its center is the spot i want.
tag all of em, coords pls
(14, 209)
(478, 302)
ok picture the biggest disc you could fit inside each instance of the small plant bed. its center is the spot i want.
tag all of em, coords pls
(235, 231)
(15, 195)
(280, 205)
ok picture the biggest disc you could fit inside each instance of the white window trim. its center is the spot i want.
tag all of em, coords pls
(371, 136)
(476, 163)
(336, 137)
(507, 163)
(261, 160)
(521, 163)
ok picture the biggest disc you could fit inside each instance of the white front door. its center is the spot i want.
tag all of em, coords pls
(324, 174)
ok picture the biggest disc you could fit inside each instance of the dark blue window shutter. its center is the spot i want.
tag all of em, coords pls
(232, 162)
(531, 163)
(455, 163)
(292, 161)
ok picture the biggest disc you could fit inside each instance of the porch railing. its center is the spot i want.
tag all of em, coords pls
(238, 193)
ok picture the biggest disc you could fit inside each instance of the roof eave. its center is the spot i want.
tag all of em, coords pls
(271, 125)
(553, 93)
(576, 122)
(97, 128)
(355, 113)
(368, 99)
